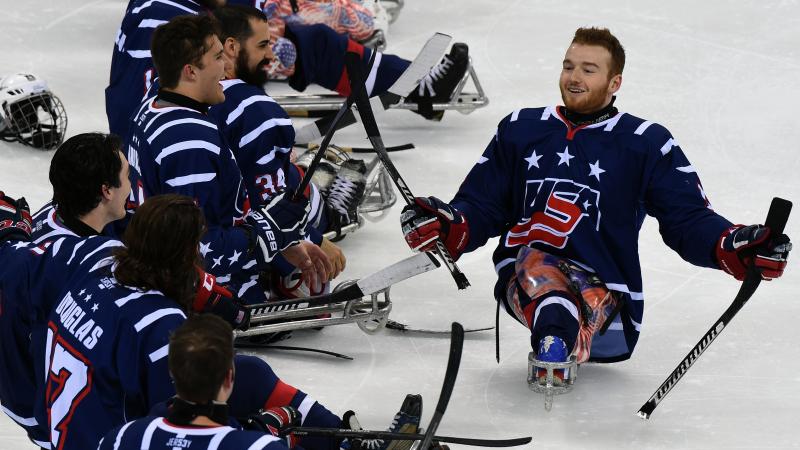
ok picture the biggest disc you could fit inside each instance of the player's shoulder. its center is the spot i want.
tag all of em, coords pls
(646, 130)
(255, 440)
(245, 101)
(166, 125)
(163, 10)
(128, 435)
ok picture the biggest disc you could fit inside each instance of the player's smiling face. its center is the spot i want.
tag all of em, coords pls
(586, 85)
(211, 71)
(255, 54)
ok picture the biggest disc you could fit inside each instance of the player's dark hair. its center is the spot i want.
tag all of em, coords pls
(80, 168)
(162, 248)
(200, 355)
(181, 41)
(234, 21)
(603, 38)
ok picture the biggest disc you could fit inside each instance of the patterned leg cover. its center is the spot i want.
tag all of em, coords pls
(348, 17)
(541, 279)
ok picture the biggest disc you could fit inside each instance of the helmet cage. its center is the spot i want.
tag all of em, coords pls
(38, 120)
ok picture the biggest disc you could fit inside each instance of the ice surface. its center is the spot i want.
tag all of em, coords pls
(722, 76)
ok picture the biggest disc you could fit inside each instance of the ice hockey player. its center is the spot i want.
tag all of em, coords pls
(261, 136)
(317, 52)
(567, 188)
(201, 364)
(176, 148)
(89, 175)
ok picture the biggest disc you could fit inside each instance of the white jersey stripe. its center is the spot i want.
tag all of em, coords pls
(186, 145)
(160, 353)
(244, 104)
(147, 436)
(190, 179)
(624, 288)
(503, 263)
(155, 315)
(263, 442)
(101, 247)
(151, 23)
(133, 296)
(25, 421)
(373, 74)
(556, 301)
(305, 408)
(228, 83)
(668, 146)
(251, 136)
(139, 54)
(269, 157)
(160, 129)
(166, 2)
(514, 115)
(121, 431)
(217, 439)
(645, 125)
(75, 250)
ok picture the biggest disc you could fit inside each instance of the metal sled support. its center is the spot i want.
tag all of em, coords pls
(370, 314)
(463, 102)
(550, 386)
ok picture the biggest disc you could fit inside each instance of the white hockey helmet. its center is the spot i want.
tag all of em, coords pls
(30, 113)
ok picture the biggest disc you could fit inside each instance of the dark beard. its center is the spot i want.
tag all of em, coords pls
(257, 77)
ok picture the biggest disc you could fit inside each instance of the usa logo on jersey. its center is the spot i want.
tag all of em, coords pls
(554, 208)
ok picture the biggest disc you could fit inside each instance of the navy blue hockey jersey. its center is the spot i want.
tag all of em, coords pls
(132, 68)
(158, 433)
(583, 193)
(179, 150)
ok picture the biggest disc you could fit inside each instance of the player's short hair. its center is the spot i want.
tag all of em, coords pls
(183, 40)
(603, 38)
(80, 168)
(200, 355)
(162, 248)
(234, 21)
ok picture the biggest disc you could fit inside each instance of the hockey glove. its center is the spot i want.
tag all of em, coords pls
(274, 421)
(215, 299)
(740, 246)
(279, 224)
(430, 218)
(15, 219)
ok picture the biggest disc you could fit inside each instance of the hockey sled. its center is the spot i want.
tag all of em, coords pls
(552, 385)
(365, 301)
(299, 105)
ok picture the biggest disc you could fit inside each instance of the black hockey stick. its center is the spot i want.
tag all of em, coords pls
(326, 140)
(247, 345)
(359, 92)
(389, 436)
(391, 148)
(450, 374)
(776, 221)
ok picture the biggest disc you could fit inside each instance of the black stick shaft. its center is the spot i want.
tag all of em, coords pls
(450, 375)
(776, 220)
(368, 118)
(389, 436)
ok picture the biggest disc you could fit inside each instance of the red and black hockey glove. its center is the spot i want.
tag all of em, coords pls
(274, 421)
(430, 218)
(15, 219)
(215, 299)
(740, 246)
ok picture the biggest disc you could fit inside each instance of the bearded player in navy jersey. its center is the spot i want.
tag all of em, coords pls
(567, 188)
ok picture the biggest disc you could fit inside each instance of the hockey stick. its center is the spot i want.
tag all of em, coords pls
(391, 148)
(389, 436)
(776, 221)
(405, 328)
(325, 141)
(370, 284)
(358, 91)
(292, 348)
(450, 374)
(429, 55)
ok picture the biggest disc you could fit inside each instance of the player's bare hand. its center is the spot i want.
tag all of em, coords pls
(312, 262)
(336, 256)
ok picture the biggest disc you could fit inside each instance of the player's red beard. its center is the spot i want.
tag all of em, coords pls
(586, 102)
(256, 76)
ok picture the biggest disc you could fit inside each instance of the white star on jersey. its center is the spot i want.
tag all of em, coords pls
(217, 261)
(205, 248)
(235, 257)
(564, 157)
(533, 160)
(595, 170)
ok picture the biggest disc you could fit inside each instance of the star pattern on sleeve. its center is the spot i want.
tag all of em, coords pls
(533, 160)
(595, 170)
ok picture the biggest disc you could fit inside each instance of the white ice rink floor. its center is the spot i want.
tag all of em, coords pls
(722, 76)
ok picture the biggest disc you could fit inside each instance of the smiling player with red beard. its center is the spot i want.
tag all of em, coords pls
(567, 189)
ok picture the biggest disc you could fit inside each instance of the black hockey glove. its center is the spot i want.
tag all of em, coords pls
(740, 246)
(215, 299)
(15, 219)
(274, 421)
(430, 218)
(279, 224)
